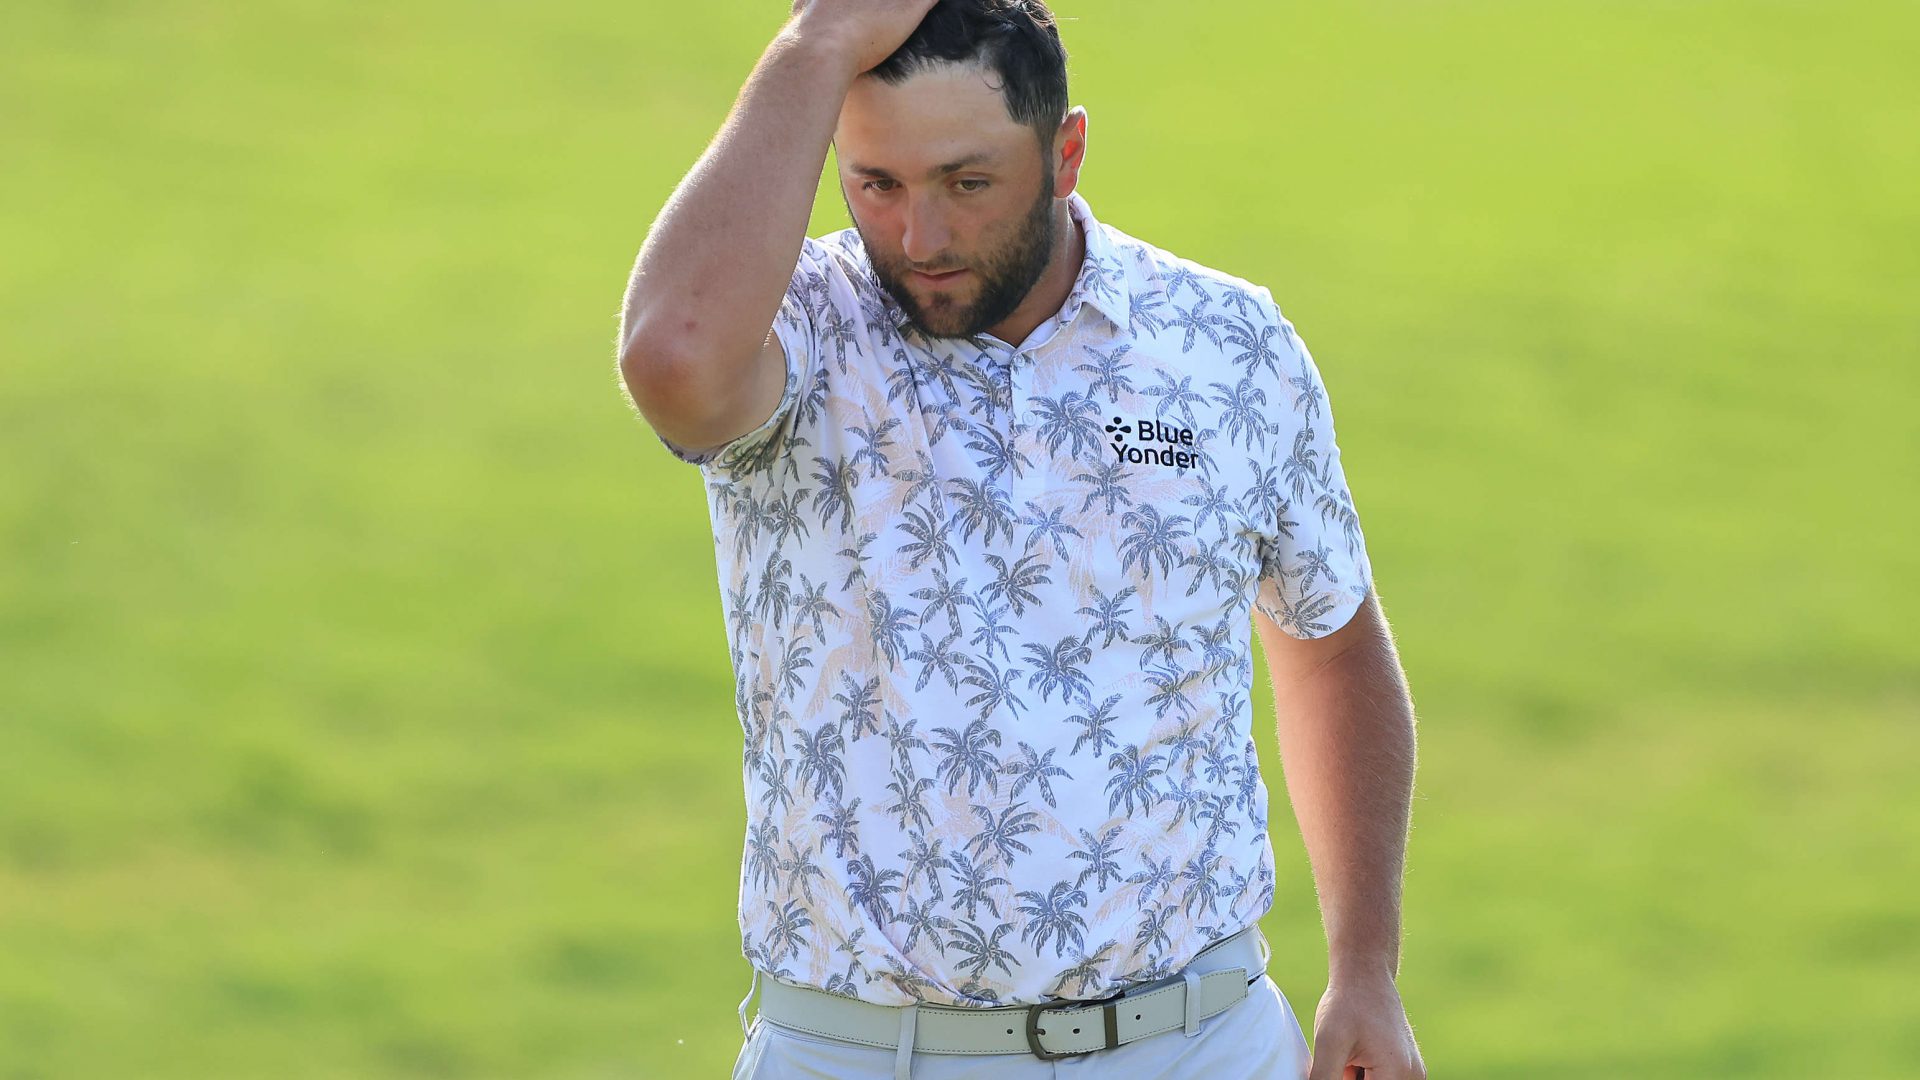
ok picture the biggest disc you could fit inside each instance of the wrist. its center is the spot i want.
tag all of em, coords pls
(1358, 969)
(805, 37)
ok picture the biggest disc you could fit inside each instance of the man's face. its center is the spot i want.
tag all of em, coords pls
(953, 199)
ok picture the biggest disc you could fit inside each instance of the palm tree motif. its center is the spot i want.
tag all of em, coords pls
(808, 406)
(1098, 853)
(1049, 527)
(1085, 974)
(1184, 798)
(1107, 613)
(800, 870)
(918, 480)
(1109, 370)
(996, 688)
(1241, 412)
(813, 605)
(1069, 419)
(1186, 745)
(1202, 891)
(1313, 394)
(887, 627)
(763, 863)
(1299, 467)
(783, 936)
(1053, 915)
(981, 947)
(793, 660)
(902, 739)
(923, 857)
(1176, 395)
(938, 658)
(1153, 539)
(943, 595)
(974, 885)
(1220, 763)
(868, 887)
(775, 792)
(839, 822)
(775, 594)
(1132, 778)
(1000, 833)
(909, 981)
(837, 476)
(964, 754)
(1141, 312)
(1015, 584)
(1238, 299)
(1165, 639)
(821, 765)
(1217, 811)
(1060, 667)
(1216, 648)
(1211, 501)
(858, 554)
(910, 799)
(1154, 878)
(783, 517)
(1183, 276)
(1153, 928)
(929, 539)
(1309, 564)
(997, 454)
(1096, 722)
(858, 705)
(987, 635)
(1104, 275)
(837, 331)
(922, 919)
(1210, 564)
(1034, 768)
(874, 438)
(1108, 484)
(1198, 322)
(982, 506)
(1254, 345)
(1171, 687)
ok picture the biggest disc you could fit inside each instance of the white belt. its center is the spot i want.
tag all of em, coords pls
(1213, 982)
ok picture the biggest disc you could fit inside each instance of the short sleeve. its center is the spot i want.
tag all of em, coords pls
(1314, 571)
(794, 327)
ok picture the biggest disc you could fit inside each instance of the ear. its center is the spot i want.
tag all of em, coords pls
(1069, 152)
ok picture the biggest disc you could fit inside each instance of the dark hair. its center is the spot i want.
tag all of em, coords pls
(1015, 39)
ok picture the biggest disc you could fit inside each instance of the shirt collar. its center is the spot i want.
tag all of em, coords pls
(1101, 281)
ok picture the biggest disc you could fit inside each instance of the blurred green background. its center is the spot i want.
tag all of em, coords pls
(364, 701)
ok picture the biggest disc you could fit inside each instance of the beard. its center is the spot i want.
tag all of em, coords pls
(1005, 276)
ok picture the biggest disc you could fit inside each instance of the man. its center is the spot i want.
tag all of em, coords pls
(995, 488)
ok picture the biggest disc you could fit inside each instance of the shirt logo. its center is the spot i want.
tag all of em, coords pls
(1153, 441)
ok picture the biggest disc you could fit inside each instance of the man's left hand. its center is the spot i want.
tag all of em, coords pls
(1363, 1026)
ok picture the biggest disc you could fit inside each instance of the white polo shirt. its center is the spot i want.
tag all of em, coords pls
(988, 608)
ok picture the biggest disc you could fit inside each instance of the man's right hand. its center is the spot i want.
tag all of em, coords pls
(864, 32)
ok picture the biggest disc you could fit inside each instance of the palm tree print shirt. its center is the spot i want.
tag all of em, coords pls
(989, 614)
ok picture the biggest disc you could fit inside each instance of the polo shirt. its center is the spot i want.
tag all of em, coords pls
(988, 607)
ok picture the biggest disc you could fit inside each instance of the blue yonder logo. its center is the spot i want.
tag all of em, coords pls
(1154, 442)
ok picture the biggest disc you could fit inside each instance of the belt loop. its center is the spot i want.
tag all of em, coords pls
(1192, 980)
(903, 1057)
(1266, 951)
(751, 987)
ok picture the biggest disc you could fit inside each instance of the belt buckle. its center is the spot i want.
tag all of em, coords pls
(1108, 1011)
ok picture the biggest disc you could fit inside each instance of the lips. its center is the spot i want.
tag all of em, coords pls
(938, 279)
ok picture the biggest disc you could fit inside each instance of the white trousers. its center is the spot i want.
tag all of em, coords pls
(1257, 1039)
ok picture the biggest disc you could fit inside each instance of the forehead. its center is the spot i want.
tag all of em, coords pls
(939, 114)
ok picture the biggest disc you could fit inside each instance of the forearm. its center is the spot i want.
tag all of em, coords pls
(712, 271)
(1347, 746)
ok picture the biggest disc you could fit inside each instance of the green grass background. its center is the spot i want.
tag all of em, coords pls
(364, 704)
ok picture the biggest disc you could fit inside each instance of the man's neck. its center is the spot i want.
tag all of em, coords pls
(1047, 296)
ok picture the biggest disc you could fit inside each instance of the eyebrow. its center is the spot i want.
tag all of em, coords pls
(943, 170)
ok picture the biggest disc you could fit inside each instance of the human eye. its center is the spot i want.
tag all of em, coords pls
(877, 184)
(972, 184)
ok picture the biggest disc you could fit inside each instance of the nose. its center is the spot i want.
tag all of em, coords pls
(927, 234)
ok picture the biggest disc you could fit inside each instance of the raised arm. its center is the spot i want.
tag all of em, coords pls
(696, 350)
